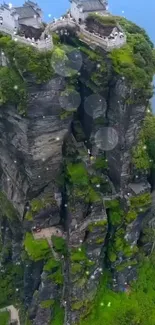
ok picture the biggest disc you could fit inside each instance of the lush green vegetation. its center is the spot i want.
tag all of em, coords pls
(132, 28)
(117, 215)
(39, 204)
(76, 267)
(4, 318)
(58, 315)
(47, 303)
(140, 201)
(37, 249)
(115, 212)
(93, 225)
(12, 88)
(135, 308)
(59, 244)
(131, 216)
(22, 59)
(140, 157)
(6, 207)
(51, 265)
(104, 20)
(78, 254)
(81, 182)
(144, 153)
(56, 38)
(135, 61)
(78, 174)
(54, 269)
(61, 56)
(100, 164)
(57, 276)
(11, 277)
(118, 244)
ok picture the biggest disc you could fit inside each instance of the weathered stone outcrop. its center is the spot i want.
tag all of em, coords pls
(30, 157)
(126, 119)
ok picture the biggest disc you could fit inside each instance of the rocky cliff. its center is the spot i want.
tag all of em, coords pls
(74, 202)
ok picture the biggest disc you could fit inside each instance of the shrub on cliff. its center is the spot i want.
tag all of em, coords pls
(135, 60)
(21, 59)
(143, 156)
(135, 308)
(4, 318)
(12, 88)
(36, 249)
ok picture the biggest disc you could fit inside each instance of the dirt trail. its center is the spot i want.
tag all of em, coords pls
(13, 313)
(47, 233)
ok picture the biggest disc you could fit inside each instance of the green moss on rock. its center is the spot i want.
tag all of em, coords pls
(104, 20)
(57, 276)
(77, 305)
(135, 60)
(76, 267)
(126, 264)
(6, 207)
(51, 264)
(58, 315)
(59, 244)
(81, 183)
(37, 249)
(78, 174)
(100, 240)
(22, 58)
(141, 200)
(66, 114)
(130, 216)
(143, 154)
(38, 204)
(96, 224)
(4, 318)
(47, 303)
(78, 254)
(100, 164)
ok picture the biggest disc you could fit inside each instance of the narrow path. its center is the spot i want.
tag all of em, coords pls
(47, 233)
(14, 314)
(56, 255)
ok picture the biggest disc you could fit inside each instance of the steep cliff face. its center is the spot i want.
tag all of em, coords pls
(70, 208)
(31, 156)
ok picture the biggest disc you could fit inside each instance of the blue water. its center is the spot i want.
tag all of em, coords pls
(140, 11)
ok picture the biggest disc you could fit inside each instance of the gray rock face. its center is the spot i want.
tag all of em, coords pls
(126, 120)
(31, 148)
(47, 291)
(31, 155)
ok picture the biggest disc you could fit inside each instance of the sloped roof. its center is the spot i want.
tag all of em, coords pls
(91, 5)
(30, 3)
(4, 6)
(138, 188)
(25, 12)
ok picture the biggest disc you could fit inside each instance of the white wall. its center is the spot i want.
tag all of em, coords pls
(8, 20)
(74, 11)
(76, 14)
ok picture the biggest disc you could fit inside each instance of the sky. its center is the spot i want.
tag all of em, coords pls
(140, 11)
